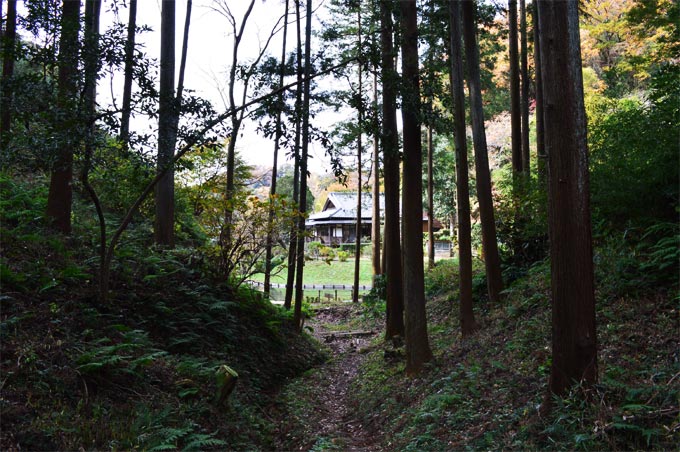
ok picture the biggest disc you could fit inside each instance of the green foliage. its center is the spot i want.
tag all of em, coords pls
(635, 154)
(660, 245)
(284, 186)
(521, 219)
(636, 261)
(342, 256)
(127, 356)
(314, 248)
(375, 301)
(327, 253)
(442, 278)
(351, 248)
(159, 431)
(21, 204)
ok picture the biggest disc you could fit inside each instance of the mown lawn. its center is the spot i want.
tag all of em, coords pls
(319, 272)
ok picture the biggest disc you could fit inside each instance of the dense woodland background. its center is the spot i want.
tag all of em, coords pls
(546, 136)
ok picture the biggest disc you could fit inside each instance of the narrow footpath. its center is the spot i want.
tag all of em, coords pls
(317, 411)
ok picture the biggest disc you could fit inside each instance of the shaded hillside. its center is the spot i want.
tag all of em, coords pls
(485, 393)
(138, 372)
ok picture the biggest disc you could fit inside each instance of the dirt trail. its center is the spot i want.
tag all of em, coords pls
(325, 417)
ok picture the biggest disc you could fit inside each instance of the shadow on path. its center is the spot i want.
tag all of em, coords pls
(316, 410)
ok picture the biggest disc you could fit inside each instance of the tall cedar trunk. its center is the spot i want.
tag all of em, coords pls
(515, 114)
(492, 260)
(375, 225)
(165, 189)
(525, 87)
(360, 115)
(574, 358)
(91, 59)
(297, 315)
(390, 148)
(277, 138)
(467, 317)
(292, 248)
(60, 195)
(417, 346)
(540, 146)
(430, 151)
(430, 200)
(8, 49)
(129, 66)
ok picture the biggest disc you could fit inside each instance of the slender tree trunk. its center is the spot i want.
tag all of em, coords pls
(292, 248)
(430, 200)
(417, 345)
(60, 194)
(360, 115)
(467, 316)
(574, 344)
(540, 147)
(91, 60)
(165, 189)
(129, 66)
(525, 88)
(297, 315)
(430, 152)
(515, 113)
(8, 47)
(236, 121)
(390, 148)
(375, 225)
(272, 189)
(182, 70)
(492, 261)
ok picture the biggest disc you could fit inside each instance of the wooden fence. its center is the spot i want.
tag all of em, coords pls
(258, 284)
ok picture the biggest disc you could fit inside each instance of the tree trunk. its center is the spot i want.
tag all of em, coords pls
(540, 147)
(390, 147)
(574, 342)
(525, 88)
(272, 189)
(236, 121)
(360, 115)
(467, 317)
(8, 48)
(60, 194)
(91, 59)
(515, 113)
(297, 315)
(129, 65)
(165, 189)
(492, 261)
(182, 70)
(375, 225)
(292, 248)
(430, 201)
(417, 345)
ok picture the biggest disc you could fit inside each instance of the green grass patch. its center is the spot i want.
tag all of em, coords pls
(319, 272)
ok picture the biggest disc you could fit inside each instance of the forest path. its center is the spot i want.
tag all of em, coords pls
(317, 411)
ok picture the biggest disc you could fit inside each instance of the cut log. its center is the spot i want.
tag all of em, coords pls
(328, 337)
